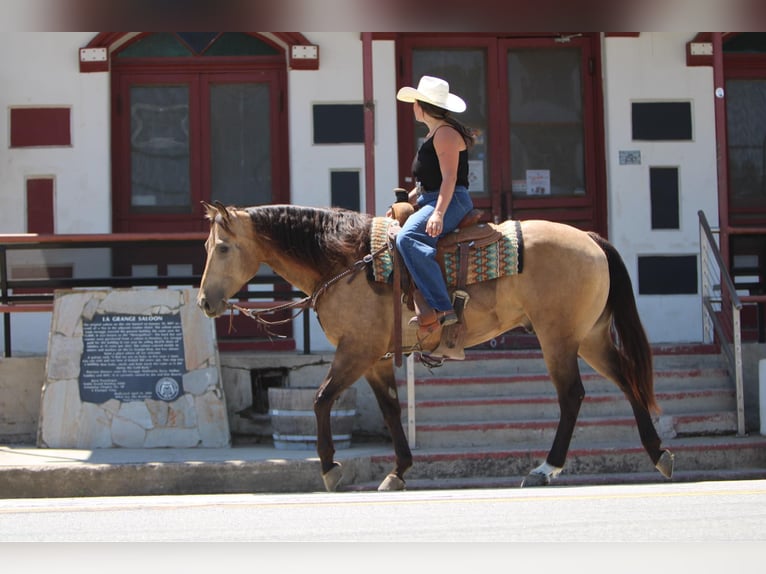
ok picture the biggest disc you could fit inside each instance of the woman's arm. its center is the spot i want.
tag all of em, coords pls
(448, 145)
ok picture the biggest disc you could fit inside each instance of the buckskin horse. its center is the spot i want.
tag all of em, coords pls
(574, 293)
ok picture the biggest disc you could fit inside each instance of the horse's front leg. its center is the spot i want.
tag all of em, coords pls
(383, 382)
(323, 402)
(343, 373)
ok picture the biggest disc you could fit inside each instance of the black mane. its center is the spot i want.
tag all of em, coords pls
(325, 238)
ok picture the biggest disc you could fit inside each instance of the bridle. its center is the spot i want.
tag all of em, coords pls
(301, 305)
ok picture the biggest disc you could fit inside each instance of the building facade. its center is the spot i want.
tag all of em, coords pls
(128, 132)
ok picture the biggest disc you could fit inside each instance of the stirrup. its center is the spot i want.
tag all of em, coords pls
(447, 317)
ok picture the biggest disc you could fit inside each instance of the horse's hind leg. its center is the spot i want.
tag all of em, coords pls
(599, 352)
(383, 382)
(561, 360)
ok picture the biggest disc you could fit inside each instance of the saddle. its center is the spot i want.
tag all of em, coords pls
(470, 234)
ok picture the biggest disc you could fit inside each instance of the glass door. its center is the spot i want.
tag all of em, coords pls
(745, 72)
(550, 161)
(467, 65)
(160, 148)
(184, 138)
(239, 135)
(181, 138)
(536, 106)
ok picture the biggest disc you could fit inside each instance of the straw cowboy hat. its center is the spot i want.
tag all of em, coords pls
(432, 91)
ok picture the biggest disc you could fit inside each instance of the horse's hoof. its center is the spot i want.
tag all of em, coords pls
(536, 479)
(391, 483)
(332, 478)
(665, 464)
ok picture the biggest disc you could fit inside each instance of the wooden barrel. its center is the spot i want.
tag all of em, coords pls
(293, 421)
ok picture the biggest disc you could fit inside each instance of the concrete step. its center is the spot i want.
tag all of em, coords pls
(521, 407)
(531, 361)
(497, 399)
(489, 385)
(540, 432)
(587, 463)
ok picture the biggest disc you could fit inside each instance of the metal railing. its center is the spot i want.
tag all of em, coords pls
(721, 309)
(89, 261)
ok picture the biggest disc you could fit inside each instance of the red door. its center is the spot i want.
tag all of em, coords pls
(182, 138)
(536, 104)
(745, 71)
(206, 126)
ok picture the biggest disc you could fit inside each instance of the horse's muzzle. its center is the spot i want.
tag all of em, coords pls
(211, 309)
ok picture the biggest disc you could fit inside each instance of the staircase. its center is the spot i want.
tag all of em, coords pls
(488, 420)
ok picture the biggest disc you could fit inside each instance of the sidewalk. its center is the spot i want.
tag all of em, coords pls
(29, 472)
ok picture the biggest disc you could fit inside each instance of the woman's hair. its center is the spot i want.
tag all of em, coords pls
(442, 114)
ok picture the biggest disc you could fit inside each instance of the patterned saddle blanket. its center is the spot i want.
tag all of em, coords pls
(499, 259)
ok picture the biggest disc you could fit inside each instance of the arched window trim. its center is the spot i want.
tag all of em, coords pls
(699, 50)
(300, 52)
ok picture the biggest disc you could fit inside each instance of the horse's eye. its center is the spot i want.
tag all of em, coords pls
(223, 249)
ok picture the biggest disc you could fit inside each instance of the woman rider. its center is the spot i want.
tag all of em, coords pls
(440, 198)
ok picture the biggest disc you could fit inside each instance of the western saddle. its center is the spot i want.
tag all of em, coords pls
(438, 342)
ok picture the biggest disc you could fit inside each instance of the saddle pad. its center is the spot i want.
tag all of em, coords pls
(493, 261)
(383, 264)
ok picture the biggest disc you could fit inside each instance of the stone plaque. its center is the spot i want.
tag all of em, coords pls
(132, 358)
(133, 368)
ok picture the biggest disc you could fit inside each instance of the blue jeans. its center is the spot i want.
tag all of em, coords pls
(418, 249)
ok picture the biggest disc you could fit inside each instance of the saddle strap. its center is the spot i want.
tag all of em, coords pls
(397, 301)
(462, 274)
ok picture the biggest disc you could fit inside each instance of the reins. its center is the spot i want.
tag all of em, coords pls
(309, 302)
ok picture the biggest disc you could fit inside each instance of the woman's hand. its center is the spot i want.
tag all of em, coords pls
(435, 225)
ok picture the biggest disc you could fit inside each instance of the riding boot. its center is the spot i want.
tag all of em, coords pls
(427, 318)
(425, 315)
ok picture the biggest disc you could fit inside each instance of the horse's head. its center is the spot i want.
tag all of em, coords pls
(231, 258)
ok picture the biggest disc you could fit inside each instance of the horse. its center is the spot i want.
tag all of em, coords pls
(574, 293)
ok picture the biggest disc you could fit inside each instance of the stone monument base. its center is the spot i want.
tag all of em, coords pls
(132, 368)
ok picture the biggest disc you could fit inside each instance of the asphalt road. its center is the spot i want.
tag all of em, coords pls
(691, 521)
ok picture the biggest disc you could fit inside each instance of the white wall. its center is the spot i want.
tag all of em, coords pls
(340, 80)
(653, 67)
(42, 69)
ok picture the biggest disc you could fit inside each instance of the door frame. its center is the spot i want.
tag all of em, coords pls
(738, 66)
(499, 177)
(199, 72)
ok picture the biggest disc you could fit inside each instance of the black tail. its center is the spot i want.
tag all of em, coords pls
(632, 344)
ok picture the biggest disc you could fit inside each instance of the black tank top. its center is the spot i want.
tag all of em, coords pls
(425, 166)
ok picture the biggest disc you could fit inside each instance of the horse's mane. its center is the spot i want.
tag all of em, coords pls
(325, 238)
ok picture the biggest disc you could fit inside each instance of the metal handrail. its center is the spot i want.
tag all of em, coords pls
(726, 292)
(24, 295)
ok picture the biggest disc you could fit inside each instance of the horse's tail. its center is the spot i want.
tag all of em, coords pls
(633, 348)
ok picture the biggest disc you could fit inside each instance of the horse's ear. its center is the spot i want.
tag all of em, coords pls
(210, 211)
(225, 215)
(218, 208)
